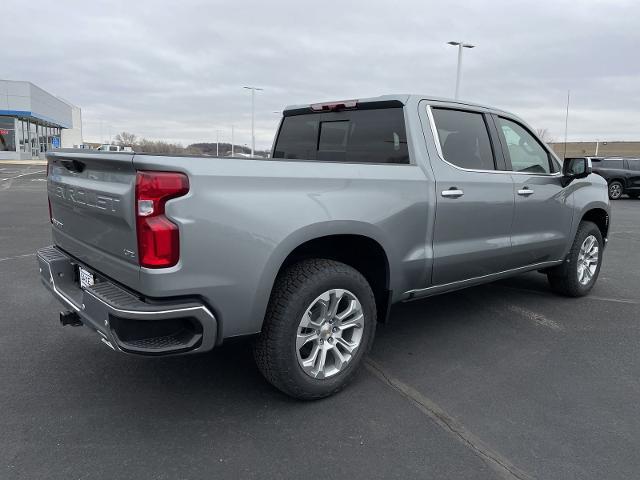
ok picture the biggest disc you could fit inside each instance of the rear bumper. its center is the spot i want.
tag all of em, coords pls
(124, 321)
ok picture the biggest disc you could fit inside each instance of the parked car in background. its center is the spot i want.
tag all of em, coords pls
(622, 175)
(106, 147)
(365, 203)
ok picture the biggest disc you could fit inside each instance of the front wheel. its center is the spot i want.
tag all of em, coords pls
(578, 274)
(615, 190)
(320, 322)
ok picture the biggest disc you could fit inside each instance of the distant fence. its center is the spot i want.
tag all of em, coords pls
(605, 149)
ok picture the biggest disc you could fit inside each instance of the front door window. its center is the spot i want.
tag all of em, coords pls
(527, 155)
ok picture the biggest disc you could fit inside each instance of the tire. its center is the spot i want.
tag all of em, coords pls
(615, 190)
(298, 299)
(565, 279)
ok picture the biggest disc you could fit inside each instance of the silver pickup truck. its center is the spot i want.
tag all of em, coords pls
(364, 203)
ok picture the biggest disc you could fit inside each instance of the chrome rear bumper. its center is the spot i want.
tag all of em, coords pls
(127, 322)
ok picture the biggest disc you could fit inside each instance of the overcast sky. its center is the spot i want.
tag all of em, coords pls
(175, 70)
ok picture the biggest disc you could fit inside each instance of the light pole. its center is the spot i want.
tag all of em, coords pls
(253, 115)
(460, 46)
(232, 140)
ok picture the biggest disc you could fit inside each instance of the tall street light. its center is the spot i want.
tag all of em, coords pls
(253, 115)
(460, 46)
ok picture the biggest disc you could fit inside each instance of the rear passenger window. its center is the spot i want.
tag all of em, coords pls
(526, 153)
(613, 164)
(464, 138)
(634, 165)
(360, 136)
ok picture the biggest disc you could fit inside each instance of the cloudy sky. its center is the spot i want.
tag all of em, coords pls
(175, 70)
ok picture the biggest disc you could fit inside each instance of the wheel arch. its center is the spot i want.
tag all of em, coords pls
(359, 245)
(600, 217)
(620, 180)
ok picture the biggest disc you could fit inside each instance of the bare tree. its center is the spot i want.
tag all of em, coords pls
(544, 135)
(141, 144)
(125, 139)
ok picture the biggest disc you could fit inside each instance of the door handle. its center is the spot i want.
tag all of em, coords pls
(453, 192)
(525, 191)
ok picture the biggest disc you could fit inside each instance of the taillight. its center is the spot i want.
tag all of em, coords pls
(158, 237)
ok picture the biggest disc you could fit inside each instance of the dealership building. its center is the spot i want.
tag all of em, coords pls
(33, 121)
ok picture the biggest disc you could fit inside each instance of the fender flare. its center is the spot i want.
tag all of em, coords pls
(303, 235)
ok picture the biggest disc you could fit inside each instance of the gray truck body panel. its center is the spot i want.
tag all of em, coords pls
(243, 217)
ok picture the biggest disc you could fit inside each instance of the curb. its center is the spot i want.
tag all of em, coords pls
(23, 162)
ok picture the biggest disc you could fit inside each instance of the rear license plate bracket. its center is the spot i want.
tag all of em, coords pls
(86, 278)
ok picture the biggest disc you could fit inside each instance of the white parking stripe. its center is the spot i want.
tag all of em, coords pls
(22, 175)
(536, 318)
(17, 256)
(588, 297)
(617, 300)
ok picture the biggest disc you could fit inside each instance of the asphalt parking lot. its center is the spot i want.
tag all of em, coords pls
(503, 381)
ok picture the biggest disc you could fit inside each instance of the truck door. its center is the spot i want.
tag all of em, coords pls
(474, 197)
(543, 214)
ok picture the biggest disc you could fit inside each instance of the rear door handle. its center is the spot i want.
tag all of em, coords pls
(453, 192)
(525, 191)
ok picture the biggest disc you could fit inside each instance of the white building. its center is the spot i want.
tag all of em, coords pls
(33, 122)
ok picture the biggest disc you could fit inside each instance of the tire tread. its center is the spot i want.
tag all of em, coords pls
(562, 279)
(273, 338)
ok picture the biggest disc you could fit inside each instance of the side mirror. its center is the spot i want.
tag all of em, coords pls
(573, 168)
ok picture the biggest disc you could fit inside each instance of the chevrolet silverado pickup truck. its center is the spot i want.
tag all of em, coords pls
(363, 204)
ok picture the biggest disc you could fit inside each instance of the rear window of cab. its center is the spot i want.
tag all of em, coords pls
(350, 136)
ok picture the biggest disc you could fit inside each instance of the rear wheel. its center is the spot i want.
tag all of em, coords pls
(615, 190)
(578, 274)
(320, 322)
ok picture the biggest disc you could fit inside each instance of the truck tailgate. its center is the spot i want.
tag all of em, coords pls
(92, 210)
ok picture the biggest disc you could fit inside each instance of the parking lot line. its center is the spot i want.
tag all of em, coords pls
(503, 467)
(536, 318)
(17, 256)
(617, 300)
(588, 297)
(22, 175)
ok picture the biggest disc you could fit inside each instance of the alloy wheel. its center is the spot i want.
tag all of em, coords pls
(329, 332)
(588, 259)
(615, 191)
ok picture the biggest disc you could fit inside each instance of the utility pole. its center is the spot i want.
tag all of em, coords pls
(460, 46)
(232, 140)
(597, 145)
(253, 109)
(217, 143)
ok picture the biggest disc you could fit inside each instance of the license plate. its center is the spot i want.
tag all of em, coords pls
(86, 278)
